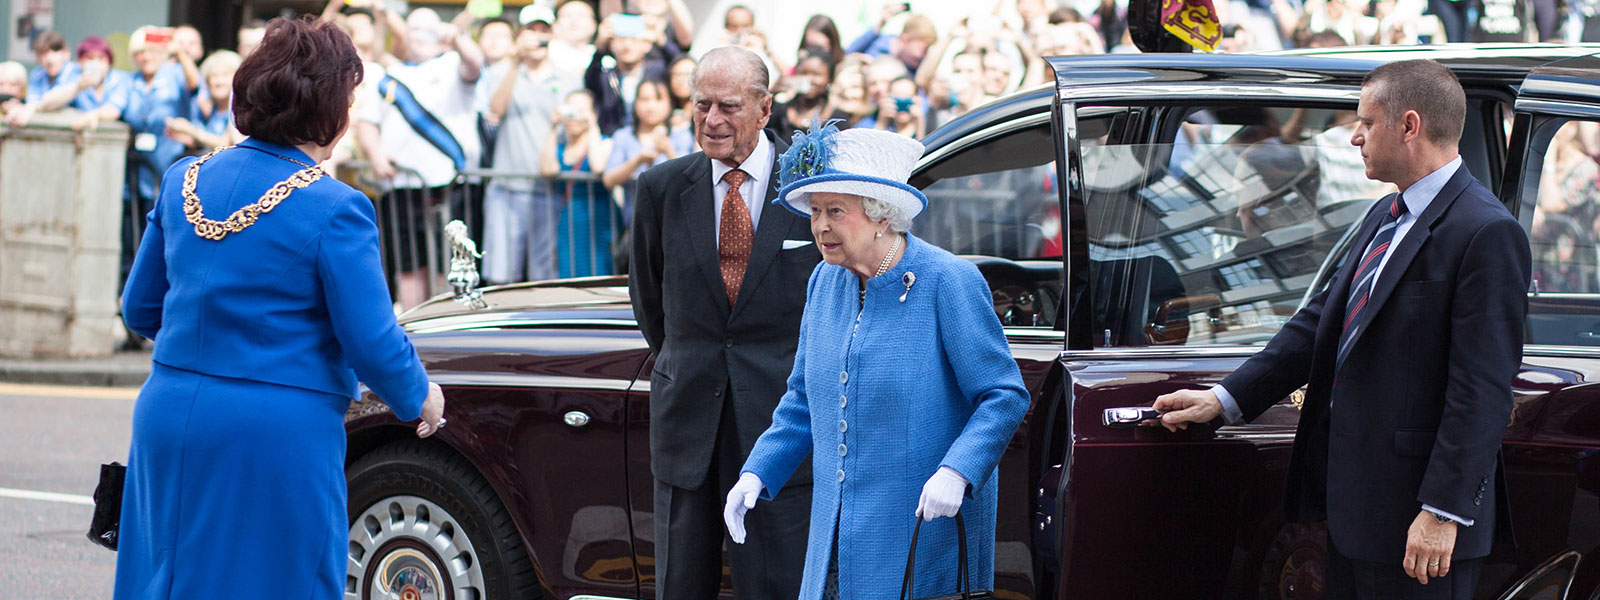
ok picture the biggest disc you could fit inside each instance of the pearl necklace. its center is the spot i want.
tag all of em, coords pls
(883, 267)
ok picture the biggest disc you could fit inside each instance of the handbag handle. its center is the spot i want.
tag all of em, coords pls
(963, 585)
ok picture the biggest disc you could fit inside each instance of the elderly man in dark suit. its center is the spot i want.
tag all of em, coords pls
(718, 285)
(1408, 359)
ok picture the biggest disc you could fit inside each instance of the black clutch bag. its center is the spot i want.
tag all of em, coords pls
(108, 506)
(963, 585)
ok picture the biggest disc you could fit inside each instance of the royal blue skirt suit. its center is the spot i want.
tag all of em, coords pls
(235, 484)
(881, 403)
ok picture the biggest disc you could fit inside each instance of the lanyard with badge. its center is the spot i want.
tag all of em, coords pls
(145, 141)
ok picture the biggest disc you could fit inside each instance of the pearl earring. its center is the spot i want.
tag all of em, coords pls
(880, 234)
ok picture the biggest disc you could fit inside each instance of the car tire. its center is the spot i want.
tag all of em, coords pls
(425, 524)
(1295, 566)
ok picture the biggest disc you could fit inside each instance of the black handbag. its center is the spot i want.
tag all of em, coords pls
(963, 584)
(108, 506)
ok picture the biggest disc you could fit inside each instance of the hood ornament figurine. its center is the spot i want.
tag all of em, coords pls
(463, 274)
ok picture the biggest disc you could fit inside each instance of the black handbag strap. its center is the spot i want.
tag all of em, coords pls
(962, 584)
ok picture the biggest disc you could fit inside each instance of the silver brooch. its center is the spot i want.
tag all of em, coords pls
(907, 279)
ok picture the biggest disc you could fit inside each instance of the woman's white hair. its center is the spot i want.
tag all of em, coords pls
(878, 210)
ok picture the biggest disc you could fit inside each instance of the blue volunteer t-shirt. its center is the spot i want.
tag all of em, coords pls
(114, 92)
(150, 103)
(40, 82)
(216, 123)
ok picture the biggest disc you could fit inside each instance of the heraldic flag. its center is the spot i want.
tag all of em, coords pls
(1193, 21)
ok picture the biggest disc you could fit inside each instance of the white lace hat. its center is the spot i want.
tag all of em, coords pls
(863, 162)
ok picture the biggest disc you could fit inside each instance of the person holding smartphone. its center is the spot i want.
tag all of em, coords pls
(621, 60)
(917, 34)
(590, 219)
(520, 212)
(902, 109)
(159, 90)
(209, 123)
(417, 160)
(807, 102)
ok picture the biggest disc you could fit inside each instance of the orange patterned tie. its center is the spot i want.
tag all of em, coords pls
(735, 235)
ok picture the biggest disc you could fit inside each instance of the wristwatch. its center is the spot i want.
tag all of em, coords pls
(1440, 518)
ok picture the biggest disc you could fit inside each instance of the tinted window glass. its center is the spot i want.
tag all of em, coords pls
(1216, 234)
(1564, 306)
(997, 202)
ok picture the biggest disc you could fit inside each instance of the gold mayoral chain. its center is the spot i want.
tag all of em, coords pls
(247, 214)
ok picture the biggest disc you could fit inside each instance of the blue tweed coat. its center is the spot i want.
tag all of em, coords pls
(880, 404)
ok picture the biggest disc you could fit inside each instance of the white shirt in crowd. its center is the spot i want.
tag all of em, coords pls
(437, 85)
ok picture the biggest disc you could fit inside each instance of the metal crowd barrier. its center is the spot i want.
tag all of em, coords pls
(527, 226)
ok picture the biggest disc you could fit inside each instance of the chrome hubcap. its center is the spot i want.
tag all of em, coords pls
(407, 548)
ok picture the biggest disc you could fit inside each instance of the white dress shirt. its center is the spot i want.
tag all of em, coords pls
(1417, 198)
(758, 170)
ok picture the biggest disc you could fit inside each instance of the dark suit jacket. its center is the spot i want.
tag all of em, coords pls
(1422, 400)
(704, 348)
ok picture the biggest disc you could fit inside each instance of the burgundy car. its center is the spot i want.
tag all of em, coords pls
(1145, 224)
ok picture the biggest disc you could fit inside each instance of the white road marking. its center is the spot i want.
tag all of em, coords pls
(68, 391)
(46, 496)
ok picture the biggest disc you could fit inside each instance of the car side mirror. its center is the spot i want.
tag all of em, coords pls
(1170, 326)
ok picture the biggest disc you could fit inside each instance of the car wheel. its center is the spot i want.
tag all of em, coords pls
(424, 525)
(1296, 564)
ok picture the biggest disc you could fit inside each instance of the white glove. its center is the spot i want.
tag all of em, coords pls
(942, 495)
(741, 499)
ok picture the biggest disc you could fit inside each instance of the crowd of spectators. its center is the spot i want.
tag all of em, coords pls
(535, 123)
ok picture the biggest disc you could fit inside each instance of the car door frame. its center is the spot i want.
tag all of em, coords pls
(1184, 80)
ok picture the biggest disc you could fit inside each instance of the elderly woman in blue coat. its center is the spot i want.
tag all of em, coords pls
(904, 392)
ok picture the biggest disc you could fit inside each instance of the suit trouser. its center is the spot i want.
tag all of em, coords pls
(1351, 579)
(690, 534)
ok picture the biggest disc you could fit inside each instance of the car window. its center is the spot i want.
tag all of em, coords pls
(1214, 235)
(996, 201)
(1564, 304)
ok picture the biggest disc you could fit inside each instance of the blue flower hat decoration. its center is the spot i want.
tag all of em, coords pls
(809, 153)
(870, 163)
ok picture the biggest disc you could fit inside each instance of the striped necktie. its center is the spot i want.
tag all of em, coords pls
(1366, 274)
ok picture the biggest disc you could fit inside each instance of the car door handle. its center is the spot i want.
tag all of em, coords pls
(1127, 416)
(576, 418)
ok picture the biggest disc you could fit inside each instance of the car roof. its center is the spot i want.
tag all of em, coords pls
(1502, 63)
(1498, 65)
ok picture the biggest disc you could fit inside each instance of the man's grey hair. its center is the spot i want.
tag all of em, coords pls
(745, 64)
(878, 210)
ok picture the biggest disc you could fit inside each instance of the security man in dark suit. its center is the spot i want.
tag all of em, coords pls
(1408, 359)
(718, 285)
